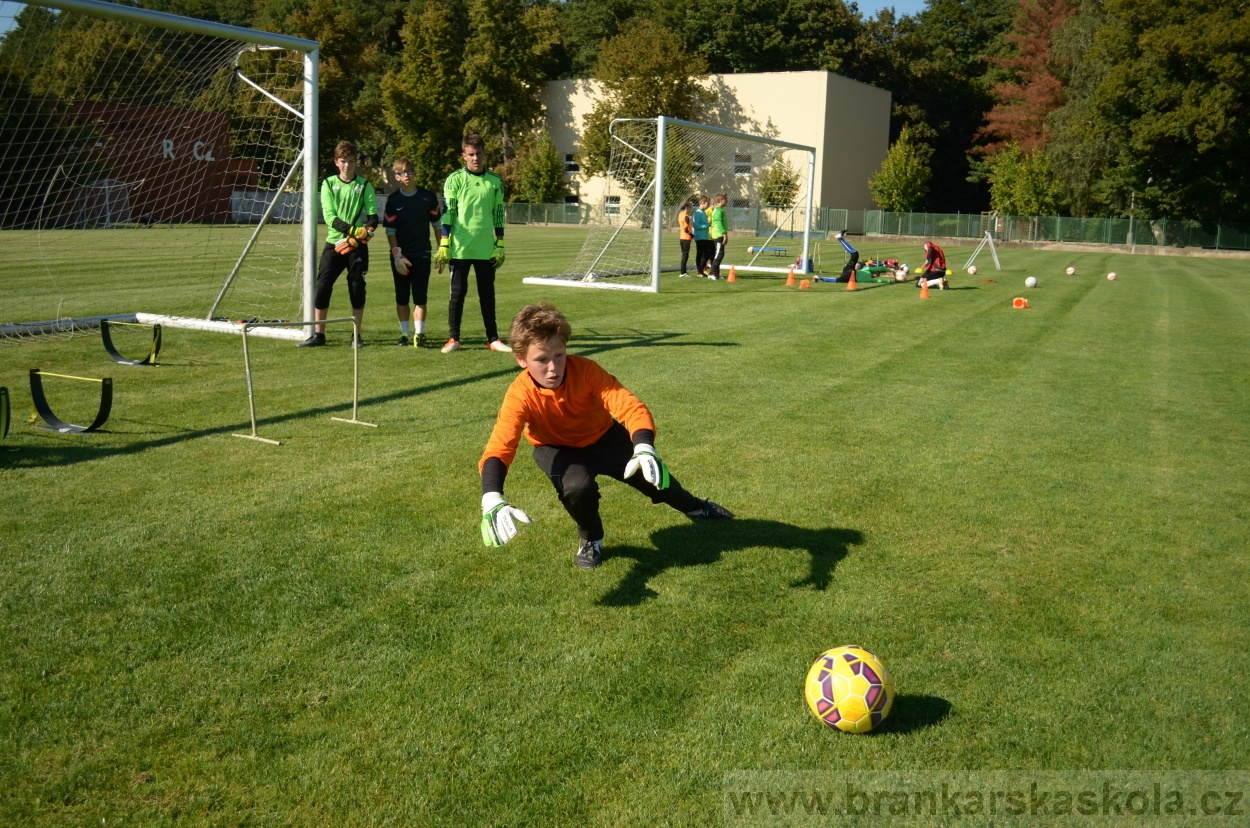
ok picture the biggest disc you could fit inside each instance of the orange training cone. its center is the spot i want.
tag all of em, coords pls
(1019, 302)
(851, 284)
(805, 284)
(924, 287)
(733, 274)
(790, 278)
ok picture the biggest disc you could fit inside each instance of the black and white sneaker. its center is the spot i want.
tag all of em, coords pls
(359, 343)
(314, 341)
(403, 341)
(711, 511)
(589, 554)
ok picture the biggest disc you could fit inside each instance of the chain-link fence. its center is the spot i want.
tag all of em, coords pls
(761, 221)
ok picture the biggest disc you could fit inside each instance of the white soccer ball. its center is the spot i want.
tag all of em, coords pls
(1031, 281)
(905, 270)
(900, 275)
(750, 249)
(590, 277)
(1111, 276)
(1071, 271)
(972, 271)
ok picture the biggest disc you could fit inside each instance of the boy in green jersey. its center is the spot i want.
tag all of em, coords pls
(718, 231)
(472, 237)
(344, 197)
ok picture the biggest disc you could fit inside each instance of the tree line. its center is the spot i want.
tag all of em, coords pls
(1076, 107)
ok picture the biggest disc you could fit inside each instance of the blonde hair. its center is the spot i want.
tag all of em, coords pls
(721, 199)
(401, 164)
(535, 324)
(704, 201)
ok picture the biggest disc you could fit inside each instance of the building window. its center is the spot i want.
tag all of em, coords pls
(742, 202)
(571, 203)
(742, 165)
(570, 162)
(612, 205)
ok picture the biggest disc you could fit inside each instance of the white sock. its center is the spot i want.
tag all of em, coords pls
(403, 328)
(419, 326)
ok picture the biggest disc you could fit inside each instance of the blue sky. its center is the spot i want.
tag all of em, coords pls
(901, 7)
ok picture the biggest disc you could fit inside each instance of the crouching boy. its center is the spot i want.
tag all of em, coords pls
(582, 423)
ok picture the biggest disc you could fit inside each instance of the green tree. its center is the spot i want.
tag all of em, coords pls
(1022, 183)
(903, 179)
(540, 173)
(780, 185)
(423, 93)
(505, 56)
(644, 73)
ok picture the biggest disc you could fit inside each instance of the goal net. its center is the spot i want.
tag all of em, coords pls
(152, 167)
(659, 164)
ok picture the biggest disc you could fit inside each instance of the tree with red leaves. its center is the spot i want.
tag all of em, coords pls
(1034, 90)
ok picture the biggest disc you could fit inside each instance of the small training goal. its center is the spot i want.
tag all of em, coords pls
(659, 164)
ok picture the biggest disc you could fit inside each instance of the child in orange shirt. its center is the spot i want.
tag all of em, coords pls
(582, 423)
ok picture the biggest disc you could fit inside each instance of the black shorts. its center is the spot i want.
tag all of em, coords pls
(416, 284)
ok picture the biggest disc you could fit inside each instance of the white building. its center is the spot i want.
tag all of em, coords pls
(848, 123)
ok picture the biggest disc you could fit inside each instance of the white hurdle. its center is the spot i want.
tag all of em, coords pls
(247, 367)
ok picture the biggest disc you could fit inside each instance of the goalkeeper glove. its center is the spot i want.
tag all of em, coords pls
(363, 234)
(401, 261)
(443, 255)
(654, 471)
(499, 519)
(347, 245)
(496, 258)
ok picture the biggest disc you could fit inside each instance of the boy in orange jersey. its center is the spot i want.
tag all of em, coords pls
(582, 423)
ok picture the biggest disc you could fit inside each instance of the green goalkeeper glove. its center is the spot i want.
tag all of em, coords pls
(499, 519)
(443, 255)
(653, 469)
(402, 264)
(496, 258)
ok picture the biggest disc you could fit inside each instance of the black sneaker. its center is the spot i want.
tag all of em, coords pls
(711, 511)
(359, 343)
(313, 341)
(419, 341)
(403, 342)
(589, 554)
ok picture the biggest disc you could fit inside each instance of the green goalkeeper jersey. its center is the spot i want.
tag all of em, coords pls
(345, 200)
(474, 212)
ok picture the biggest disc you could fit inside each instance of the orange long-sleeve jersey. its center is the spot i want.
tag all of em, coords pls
(685, 225)
(576, 414)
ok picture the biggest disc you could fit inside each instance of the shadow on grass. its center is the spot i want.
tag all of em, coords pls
(699, 544)
(75, 448)
(914, 712)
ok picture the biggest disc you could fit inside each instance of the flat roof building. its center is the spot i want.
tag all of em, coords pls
(848, 123)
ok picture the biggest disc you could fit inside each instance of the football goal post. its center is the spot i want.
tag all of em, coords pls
(153, 168)
(659, 164)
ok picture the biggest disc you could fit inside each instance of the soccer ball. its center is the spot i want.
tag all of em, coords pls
(1031, 281)
(900, 275)
(848, 688)
(590, 277)
(750, 249)
(1071, 271)
(972, 271)
(1111, 276)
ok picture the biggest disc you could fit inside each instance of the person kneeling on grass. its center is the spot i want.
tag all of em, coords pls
(582, 423)
(934, 271)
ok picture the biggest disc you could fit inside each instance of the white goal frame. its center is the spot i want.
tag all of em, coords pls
(310, 205)
(658, 225)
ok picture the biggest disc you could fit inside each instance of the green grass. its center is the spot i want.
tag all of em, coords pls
(1037, 518)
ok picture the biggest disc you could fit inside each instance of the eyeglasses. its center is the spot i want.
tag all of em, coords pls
(404, 174)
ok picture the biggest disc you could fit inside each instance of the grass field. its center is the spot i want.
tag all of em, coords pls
(1037, 518)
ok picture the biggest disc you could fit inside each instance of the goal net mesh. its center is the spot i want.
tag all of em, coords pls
(135, 164)
(764, 182)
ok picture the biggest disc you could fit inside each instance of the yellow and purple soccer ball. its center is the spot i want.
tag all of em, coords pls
(848, 689)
